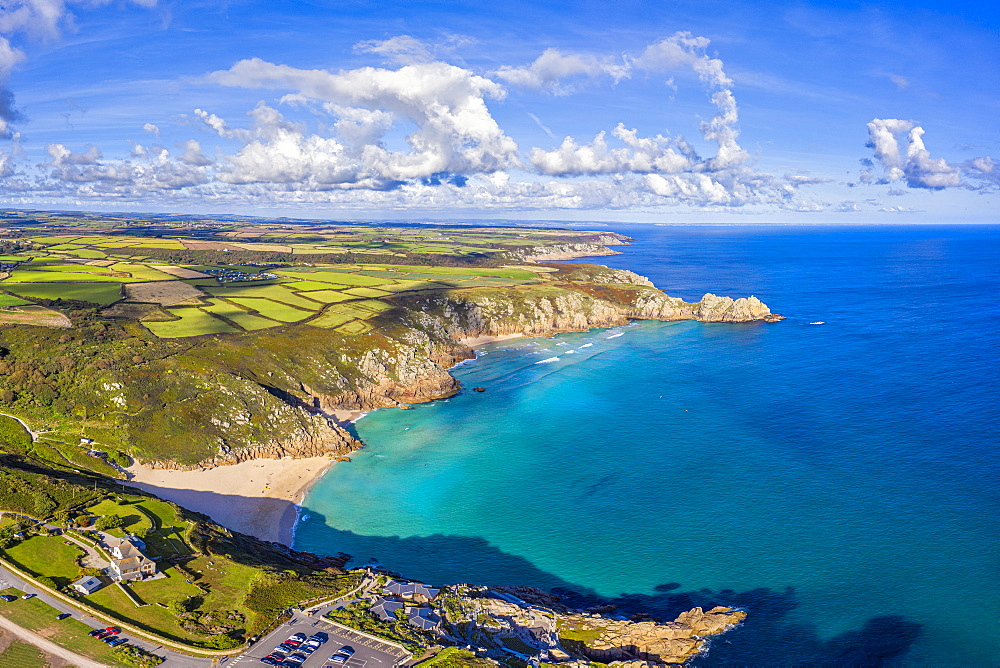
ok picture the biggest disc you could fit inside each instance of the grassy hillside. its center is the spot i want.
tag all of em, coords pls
(220, 586)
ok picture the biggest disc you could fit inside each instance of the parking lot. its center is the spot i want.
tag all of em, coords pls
(368, 653)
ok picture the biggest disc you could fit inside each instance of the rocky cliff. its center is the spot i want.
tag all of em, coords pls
(641, 642)
(274, 393)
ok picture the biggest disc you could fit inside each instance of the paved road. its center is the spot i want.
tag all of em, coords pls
(173, 659)
(368, 653)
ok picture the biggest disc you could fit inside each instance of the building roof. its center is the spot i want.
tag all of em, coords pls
(385, 610)
(88, 584)
(127, 564)
(410, 589)
(423, 618)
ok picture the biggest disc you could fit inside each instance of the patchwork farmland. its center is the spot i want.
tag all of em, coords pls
(287, 282)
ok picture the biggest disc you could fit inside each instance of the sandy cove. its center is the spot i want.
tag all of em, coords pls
(258, 497)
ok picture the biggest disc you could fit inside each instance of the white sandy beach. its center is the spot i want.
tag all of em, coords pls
(479, 341)
(256, 497)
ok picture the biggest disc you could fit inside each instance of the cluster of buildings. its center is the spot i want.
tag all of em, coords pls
(233, 276)
(128, 562)
(413, 598)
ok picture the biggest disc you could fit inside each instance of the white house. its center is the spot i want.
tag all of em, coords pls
(128, 562)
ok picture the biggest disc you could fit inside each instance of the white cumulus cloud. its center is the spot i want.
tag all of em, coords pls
(455, 132)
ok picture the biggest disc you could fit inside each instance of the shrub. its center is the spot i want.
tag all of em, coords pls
(105, 522)
(130, 655)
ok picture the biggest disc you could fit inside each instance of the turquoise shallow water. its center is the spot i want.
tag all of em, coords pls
(838, 481)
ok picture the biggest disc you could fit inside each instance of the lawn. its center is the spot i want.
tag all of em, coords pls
(47, 555)
(40, 617)
(134, 518)
(167, 535)
(192, 322)
(274, 310)
(228, 581)
(98, 293)
(113, 601)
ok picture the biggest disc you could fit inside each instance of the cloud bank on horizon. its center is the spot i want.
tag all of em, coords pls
(419, 128)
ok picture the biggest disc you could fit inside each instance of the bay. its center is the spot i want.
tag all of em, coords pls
(837, 481)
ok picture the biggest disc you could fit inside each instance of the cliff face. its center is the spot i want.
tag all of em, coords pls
(273, 394)
(671, 643)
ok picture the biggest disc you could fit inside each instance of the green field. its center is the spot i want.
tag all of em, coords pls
(192, 322)
(22, 655)
(273, 310)
(142, 272)
(98, 293)
(336, 276)
(306, 285)
(331, 319)
(366, 292)
(354, 327)
(274, 292)
(11, 300)
(40, 617)
(329, 296)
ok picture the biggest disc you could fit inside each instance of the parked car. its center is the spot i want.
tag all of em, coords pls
(95, 632)
(102, 634)
(28, 596)
(271, 661)
(343, 654)
(7, 598)
(63, 615)
(307, 649)
(113, 629)
(297, 636)
(319, 637)
(118, 641)
(291, 642)
(109, 639)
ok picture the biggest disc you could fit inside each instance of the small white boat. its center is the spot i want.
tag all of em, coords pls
(817, 323)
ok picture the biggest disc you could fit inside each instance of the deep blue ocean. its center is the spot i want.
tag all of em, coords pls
(837, 481)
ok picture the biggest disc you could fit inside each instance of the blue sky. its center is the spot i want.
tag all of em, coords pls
(634, 111)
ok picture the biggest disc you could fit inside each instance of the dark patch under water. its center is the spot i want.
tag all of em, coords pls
(838, 481)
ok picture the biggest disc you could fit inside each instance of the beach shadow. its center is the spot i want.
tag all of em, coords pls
(770, 636)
